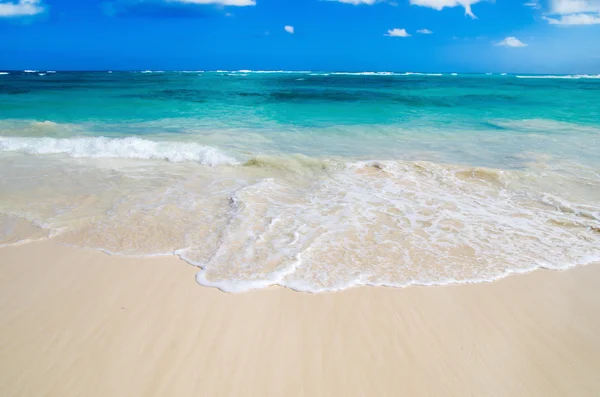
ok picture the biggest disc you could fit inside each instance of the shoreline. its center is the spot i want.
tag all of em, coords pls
(215, 285)
(80, 322)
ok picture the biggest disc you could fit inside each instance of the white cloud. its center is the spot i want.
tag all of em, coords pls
(575, 19)
(21, 8)
(424, 31)
(289, 29)
(511, 42)
(564, 7)
(574, 12)
(397, 33)
(440, 4)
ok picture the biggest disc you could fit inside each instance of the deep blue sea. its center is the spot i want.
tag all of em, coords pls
(316, 181)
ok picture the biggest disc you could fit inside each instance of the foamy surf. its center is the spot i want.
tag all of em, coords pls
(126, 148)
(378, 223)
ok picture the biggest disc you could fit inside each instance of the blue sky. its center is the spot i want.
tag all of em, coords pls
(557, 36)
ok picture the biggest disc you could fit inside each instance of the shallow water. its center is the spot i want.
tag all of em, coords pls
(314, 181)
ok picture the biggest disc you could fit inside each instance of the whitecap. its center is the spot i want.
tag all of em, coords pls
(567, 76)
(128, 148)
(420, 74)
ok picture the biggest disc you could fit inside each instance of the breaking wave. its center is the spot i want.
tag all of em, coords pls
(568, 76)
(128, 148)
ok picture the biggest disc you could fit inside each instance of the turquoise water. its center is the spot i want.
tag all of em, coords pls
(314, 180)
(478, 119)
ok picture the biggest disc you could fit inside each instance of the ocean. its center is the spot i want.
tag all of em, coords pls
(314, 181)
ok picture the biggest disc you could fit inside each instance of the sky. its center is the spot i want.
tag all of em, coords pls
(513, 36)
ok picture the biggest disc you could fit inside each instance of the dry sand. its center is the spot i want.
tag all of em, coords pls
(82, 323)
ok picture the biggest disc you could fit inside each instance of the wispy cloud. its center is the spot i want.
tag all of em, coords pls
(424, 31)
(565, 7)
(289, 29)
(21, 8)
(441, 4)
(575, 19)
(511, 42)
(533, 4)
(397, 33)
(574, 12)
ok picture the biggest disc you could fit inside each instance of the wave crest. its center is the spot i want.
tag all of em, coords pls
(128, 148)
(568, 76)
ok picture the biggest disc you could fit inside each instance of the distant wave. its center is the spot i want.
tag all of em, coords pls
(128, 148)
(376, 74)
(363, 73)
(280, 71)
(4, 73)
(245, 71)
(29, 71)
(420, 74)
(568, 76)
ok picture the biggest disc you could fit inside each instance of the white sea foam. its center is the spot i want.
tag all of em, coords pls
(378, 223)
(392, 224)
(128, 148)
(29, 71)
(282, 71)
(51, 71)
(363, 73)
(569, 76)
(41, 74)
(3, 73)
(420, 74)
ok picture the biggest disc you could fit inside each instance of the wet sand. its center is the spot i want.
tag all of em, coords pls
(82, 323)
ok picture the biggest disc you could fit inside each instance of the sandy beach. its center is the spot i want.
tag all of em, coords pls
(83, 323)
